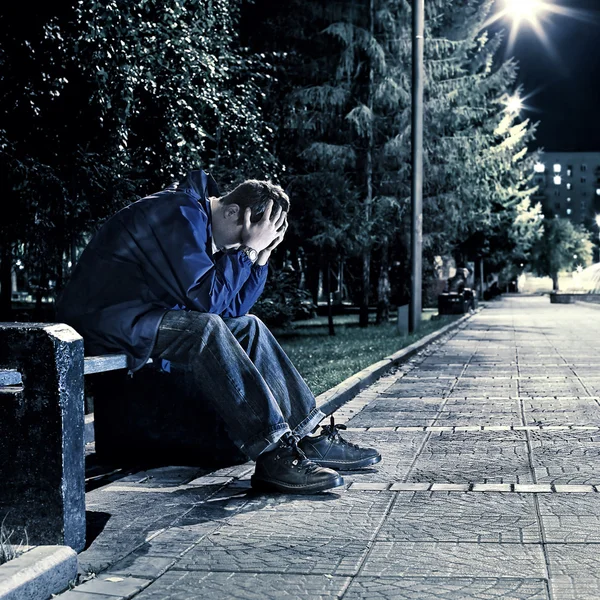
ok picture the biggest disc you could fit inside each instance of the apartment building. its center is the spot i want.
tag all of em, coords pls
(569, 185)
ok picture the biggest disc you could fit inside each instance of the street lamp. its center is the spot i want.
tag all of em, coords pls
(529, 12)
(514, 105)
(418, 28)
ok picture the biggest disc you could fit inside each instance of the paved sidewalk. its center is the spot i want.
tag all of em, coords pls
(489, 487)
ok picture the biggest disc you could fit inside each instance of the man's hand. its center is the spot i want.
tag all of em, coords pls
(264, 255)
(264, 233)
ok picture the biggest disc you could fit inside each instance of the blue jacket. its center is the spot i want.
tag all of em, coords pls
(153, 256)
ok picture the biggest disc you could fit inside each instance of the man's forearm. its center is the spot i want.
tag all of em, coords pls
(263, 258)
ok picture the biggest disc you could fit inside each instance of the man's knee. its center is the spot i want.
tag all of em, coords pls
(246, 325)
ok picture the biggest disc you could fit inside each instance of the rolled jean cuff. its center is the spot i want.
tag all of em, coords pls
(315, 416)
(257, 444)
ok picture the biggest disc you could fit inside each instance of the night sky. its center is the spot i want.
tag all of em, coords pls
(562, 86)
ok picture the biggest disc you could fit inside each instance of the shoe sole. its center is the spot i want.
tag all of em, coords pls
(268, 485)
(347, 466)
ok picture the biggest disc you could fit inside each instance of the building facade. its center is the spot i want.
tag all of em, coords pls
(569, 186)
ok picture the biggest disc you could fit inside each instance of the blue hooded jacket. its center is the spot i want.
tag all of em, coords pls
(153, 256)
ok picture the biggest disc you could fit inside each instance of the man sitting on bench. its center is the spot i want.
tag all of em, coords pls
(172, 276)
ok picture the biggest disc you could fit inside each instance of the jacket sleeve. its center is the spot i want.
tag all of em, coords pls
(184, 267)
(249, 294)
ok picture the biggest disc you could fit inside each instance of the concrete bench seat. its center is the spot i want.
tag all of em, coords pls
(42, 422)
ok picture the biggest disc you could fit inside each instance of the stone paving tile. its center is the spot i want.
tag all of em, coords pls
(572, 473)
(575, 588)
(577, 561)
(331, 520)
(481, 468)
(405, 406)
(312, 555)
(180, 585)
(450, 588)
(570, 505)
(164, 476)
(456, 419)
(429, 388)
(440, 517)
(372, 502)
(446, 559)
(107, 586)
(571, 529)
(564, 418)
(475, 439)
(391, 419)
(556, 405)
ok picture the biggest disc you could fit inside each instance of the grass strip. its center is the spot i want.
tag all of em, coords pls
(324, 360)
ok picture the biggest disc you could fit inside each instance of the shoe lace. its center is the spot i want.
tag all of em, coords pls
(333, 432)
(292, 442)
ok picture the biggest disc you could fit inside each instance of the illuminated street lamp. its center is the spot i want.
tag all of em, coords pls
(514, 105)
(529, 13)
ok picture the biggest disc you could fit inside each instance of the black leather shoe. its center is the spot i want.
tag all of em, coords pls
(286, 469)
(330, 449)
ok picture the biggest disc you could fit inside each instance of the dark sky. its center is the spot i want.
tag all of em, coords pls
(563, 84)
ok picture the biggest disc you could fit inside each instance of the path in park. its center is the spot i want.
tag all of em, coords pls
(489, 487)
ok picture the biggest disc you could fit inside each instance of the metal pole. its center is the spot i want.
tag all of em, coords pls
(417, 164)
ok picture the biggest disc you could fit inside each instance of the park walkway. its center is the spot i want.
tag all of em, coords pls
(489, 487)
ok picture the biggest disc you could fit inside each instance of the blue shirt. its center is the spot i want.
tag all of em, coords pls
(153, 256)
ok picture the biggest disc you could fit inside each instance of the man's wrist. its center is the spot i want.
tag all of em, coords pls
(263, 258)
(251, 253)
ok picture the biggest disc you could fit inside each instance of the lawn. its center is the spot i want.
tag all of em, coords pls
(324, 361)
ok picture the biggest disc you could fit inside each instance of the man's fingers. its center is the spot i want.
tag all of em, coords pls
(281, 219)
(268, 211)
(247, 215)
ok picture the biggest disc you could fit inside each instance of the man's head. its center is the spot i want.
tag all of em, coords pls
(228, 210)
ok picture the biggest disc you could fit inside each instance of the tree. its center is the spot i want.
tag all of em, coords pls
(562, 247)
(105, 102)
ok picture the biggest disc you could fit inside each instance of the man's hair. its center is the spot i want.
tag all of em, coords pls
(256, 194)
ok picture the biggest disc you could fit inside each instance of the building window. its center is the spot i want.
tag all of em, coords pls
(539, 167)
(597, 191)
(584, 167)
(569, 172)
(557, 192)
(557, 168)
(568, 186)
(583, 180)
(568, 199)
(568, 211)
(557, 205)
(557, 179)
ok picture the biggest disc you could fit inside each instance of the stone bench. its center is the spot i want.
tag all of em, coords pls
(42, 458)
(455, 303)
(42, 470)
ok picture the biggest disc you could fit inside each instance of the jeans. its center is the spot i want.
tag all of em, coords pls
(237, 366)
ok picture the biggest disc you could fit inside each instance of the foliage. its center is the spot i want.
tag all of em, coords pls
(348, 111)
(105, 102)
(282, 301)
(172, 88)
(562, 247)
(9, 550)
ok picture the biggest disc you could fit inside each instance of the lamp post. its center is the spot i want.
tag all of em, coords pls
(598, 223)
(418, 29)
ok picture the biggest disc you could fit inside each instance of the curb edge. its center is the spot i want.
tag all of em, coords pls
(38, 573)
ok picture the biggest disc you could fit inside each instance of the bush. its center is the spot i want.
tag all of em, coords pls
(282, 302)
